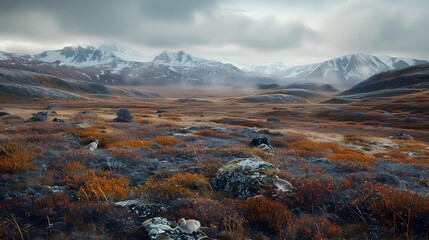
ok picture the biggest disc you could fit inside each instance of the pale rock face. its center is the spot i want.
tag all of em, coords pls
(189, 226)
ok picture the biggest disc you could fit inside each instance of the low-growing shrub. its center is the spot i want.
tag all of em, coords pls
(95, 185)
(99, 132)
(166, 140)
(177, 186)
(131, 143)
(266, 214)
(16, 157)
(314, 228)
(211, 133)
(352, 160)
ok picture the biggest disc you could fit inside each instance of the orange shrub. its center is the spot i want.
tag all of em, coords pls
(79, 215)
(352, 160)
(99, 132)
(406, 211)
(16, 157)
(178, 185)
(211, 133)
(131, 143)
(166, 140)
(314, 228)
(356, 139)
(308, 148)
(309, 145)
(92, 185)
(265, 214)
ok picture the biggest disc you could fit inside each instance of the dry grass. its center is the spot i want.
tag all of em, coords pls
(16, 157)
(131, 143)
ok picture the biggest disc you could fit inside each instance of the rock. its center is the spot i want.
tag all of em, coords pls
(402, 136)
(162, 228)
(51, 106)
(261, 143)
(58, 120)
(39, 117)
(193, 100)
(273, 98)
(141, 208)
(123, 115)
(273, 120)
(85, 113)
(2, 114)
(244, 177)
(221, 130)
(162, 111)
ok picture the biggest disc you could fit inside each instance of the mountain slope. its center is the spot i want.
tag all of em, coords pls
(412, 77)
(346, 70)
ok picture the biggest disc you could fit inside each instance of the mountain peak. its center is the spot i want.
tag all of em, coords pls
(112, 47)
(179, 58)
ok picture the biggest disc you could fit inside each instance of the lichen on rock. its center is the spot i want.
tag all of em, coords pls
(244, 177)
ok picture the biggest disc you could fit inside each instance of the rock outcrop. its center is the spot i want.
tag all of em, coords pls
(244, 177)
(162, 228)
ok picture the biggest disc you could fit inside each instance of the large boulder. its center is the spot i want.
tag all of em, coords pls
(123, 115)
(244, 177)
(39, 117)
(162, 228)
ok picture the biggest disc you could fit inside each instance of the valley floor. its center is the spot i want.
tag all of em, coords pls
(353, 180)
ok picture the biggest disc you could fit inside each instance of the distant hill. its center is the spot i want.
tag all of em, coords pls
(344, 71)
(414, 77)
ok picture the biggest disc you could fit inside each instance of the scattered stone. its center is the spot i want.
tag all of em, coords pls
(162, 228)
(39, 117)
(51, 106)
(80, 125)
(274, 98)
(192, 100)
(162, 111)
(261, 143)
(402, 136)
(85, 113)
(273, 120)
(221, 130)
(2, 114)
(58, 120)
(185, 130)
(123, 115)
(244, 177)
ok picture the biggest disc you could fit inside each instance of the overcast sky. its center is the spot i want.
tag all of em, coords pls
(242, 32)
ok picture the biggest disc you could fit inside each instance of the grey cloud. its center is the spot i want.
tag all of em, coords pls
(370, 26)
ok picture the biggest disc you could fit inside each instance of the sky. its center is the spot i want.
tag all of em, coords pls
(242, 32)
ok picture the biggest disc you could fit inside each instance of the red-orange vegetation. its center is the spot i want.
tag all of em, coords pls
(95, 185)
(131, 143)
(166, 140)
(264, 214)
(211, 133)
(16, 157)
(178, 185)
(352, 160)
(314, 228)
(104, 135)
(405, 211)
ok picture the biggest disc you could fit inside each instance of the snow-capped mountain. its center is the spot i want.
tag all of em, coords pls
(179, 59)
(346, 70)
(271, 69)
(183, 67)
(90, 56)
